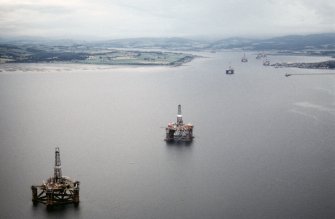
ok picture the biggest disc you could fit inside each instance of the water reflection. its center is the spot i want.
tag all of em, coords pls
(179, 144)
(60, 211)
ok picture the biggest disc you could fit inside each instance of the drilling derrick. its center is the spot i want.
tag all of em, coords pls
(57, 190)
(179, 116)
(57, 168)
(178, 131)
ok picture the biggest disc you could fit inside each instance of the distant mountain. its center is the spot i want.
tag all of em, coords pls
(325, 41)
(297, 42)
(292, 42)
(231, 43)
(154, 43)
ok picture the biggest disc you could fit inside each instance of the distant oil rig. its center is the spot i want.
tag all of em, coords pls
(179, 132)
(230, 71)
(244, 58)
(57, 190)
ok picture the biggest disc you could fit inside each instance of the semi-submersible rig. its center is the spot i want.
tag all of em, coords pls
(57, 190)
(178, 131)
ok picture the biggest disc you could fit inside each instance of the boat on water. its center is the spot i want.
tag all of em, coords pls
(244, 58)
(230, 71)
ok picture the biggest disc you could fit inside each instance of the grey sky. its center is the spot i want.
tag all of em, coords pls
(108, 19)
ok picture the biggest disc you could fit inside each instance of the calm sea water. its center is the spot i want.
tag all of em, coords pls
(264, 144)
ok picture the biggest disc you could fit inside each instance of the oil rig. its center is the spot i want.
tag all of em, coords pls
(178, 131)
(57, 190)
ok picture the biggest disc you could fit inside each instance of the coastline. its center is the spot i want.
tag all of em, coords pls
(98, 56)
(330, 64)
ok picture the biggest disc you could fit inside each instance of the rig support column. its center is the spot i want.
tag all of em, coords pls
(34, 193)
(49, 194)
(76, 193)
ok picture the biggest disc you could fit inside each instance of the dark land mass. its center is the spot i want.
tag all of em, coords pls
(315, 65)
(86, 54)
(312, 42)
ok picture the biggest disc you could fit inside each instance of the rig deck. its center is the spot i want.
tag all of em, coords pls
(178, 131)
(57, 190)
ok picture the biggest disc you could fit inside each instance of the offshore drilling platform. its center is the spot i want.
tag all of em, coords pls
(57, 190)
(179, 132)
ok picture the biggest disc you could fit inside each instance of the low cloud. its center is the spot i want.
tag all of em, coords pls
(103, 19)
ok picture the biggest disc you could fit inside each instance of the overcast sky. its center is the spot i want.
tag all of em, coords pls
(110, 19)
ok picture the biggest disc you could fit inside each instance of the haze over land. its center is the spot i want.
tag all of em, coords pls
(83, 31)
(155, 51)
(103, 19)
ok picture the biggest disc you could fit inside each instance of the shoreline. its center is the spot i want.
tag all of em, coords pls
(330, 64)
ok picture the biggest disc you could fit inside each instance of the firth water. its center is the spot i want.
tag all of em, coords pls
(263, 147)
